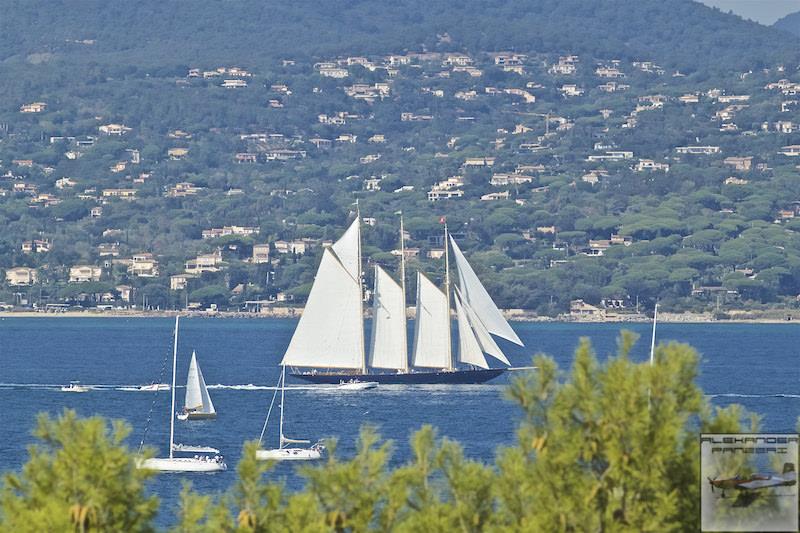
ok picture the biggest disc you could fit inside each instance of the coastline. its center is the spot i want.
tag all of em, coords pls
(515, 315)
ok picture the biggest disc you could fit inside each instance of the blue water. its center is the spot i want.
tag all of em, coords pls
(755, 365)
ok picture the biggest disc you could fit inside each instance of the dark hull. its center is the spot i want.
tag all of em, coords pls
(459, 377)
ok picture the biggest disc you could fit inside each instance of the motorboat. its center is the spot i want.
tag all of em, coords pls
(75, 386)
(355, 384)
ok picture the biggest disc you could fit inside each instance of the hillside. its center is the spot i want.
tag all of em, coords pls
(790, 23)
(679, 34)
(153, 155)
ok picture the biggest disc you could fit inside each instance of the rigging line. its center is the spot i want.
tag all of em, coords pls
(153, 404)
(269, 411)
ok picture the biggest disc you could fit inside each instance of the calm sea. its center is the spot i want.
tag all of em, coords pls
(755, 365)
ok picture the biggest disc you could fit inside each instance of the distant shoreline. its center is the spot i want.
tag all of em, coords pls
(513, 315)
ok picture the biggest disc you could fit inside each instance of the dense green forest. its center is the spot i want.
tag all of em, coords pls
(678, 33)
(611, 446)
(130, 131)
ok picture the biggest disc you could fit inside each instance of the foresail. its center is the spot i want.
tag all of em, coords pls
(488, 344)
(388, 339)
(432, 326)
(476, 297)
(469, 350)
(329, 334)
(208, 405)
(348, 247)
(194, 399)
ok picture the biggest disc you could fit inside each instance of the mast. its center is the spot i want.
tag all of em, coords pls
(361, 296)
(283, 390)
(653, 338)
(172, 404)
(450, 363)
(403, 286)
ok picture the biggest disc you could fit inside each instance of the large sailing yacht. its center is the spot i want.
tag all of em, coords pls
(329, 346)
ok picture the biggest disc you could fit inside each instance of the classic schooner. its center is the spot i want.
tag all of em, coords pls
(329, 339)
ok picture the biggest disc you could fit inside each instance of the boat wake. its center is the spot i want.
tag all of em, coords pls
(248, 386)
(139, 388)
(251, 387)
(737, 395)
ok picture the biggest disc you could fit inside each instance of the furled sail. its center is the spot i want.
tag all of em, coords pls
(330, 330)
(432, 326)
(197, 398)
(388, 339)
(486, 341)
(475, 296)
(469, 349)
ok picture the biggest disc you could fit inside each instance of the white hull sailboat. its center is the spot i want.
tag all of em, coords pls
(285, 452)
(184, 464)
(198, 463)
(329, 338)
(289, 454)
(197, 405)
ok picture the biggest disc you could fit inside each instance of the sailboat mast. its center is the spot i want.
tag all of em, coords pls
(172, 404)
(361, 296)
(653, 338)
(283, 390)
(450, 363)
(403, 288)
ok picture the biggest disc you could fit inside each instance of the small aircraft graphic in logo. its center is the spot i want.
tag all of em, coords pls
(755, 482)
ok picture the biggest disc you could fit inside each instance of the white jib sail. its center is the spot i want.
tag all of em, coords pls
(388, 339)
(488, 344)
(329, 334)
(208, 405)
(347, 249)
(197, 398)
(469, 349)
(476, 297)
(431, 328)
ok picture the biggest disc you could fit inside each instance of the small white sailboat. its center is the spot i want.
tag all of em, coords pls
(198, 463)
(283, 452)
(197, 405)
(75, 386)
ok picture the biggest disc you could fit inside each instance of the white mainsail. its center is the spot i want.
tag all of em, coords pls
(485, 339)
(197, 398)
(388, 342)
(469, 349)
(330, 331)
(432, 326)
(475, 296)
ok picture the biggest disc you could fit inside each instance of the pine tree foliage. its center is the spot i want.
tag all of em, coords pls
(80, 477)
